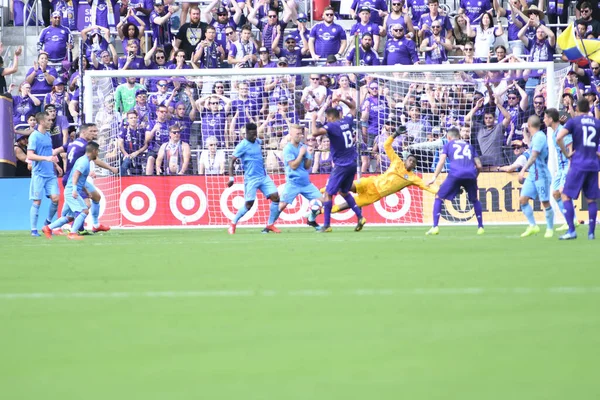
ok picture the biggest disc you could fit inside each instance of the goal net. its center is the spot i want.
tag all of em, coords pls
(211, 108)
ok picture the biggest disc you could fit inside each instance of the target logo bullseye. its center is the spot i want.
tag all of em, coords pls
(137, 203)
(394, 206)
(232, 199)
(296, 210)
(188, 203)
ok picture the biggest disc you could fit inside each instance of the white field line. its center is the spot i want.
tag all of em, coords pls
(566, 290)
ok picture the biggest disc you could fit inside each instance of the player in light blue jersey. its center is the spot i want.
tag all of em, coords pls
(75, 207)
(298, 161)
(255, 178)
(551, 120)
(43, 178)
(537, 184)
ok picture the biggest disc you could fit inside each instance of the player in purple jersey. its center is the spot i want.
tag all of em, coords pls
(343, 150)
(75, 150)
(464, 168)
(583, 170)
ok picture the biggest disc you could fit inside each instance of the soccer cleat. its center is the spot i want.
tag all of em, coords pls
(231, 228)
(35, 233)
(480, 231)
(85, 232)
(435, 230)
(74, 236)
(568, 236)
(591, 236)
(361, 223)
(47, 232)
(271, 228)
(325, 229)
(101, 228)
(58, 232)
(531, 230)
(314, 224)
(549, 233)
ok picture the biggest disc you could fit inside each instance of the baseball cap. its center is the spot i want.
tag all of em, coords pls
(290, 37)
(141, 91)
(302, 17)
(19, 137)
(221, 11)
(589, 91)
(57, 82)
(364, 8)
(159, 3)
(56, 14)
(263, 50)
(373, 85)
(282, 60)
(283, 99)
(331, 58)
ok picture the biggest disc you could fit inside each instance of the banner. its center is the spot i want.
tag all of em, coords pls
(200, 200)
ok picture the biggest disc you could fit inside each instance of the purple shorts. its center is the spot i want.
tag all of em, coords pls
(577, 181)
(451, 186)
(341, 179)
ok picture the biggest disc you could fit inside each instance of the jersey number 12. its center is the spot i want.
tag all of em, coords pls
(589, 133)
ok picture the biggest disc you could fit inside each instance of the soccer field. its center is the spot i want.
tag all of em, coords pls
(386, 313)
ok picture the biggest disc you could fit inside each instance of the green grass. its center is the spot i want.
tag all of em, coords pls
(386, 313)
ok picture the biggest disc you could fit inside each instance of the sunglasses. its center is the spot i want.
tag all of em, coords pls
(586, 11)
(595, 68)
(302, 20)
(328, 15)
(436, 27)
(272, 16)
(161, 84)
(512, 97)
(398, 30)
(315, 79)
(160, 57)
(538, 103)
(55, 17)
(221, 15)
(396, 4)
(229, 33)
(468, 49)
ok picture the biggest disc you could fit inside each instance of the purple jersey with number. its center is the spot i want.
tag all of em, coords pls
(461, 156)
(586, 138)
(75, 150)
(474, 9)
(328, 38)
(341, 137)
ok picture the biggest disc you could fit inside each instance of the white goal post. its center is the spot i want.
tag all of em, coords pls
(203, 200)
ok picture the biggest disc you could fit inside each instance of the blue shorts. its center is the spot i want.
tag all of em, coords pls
(558, 182)
(451, 187)
(89, 186)
(538, 189)
(265, 185)
(577, 181)
(341, 179)
(291, 190)
(40, 185)
(72, 205)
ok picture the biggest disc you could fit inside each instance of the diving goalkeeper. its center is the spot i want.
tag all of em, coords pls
(398, 176)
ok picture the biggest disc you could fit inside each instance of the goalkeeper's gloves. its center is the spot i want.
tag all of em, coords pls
(401, 130)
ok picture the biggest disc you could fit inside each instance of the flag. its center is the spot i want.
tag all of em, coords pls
(575, 49)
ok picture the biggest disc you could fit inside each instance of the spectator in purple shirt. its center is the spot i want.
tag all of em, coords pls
(426, 21)
(399, 49)
(243, 53)
(417, 8)
(56, 39)
(209, 52)
(58, 97)
(516, 20)
(269, 29)
(364, 25)
(157, 133)
(366, 54)
(302, 32)
(160, 20)
(59, 131)
(541, 48)
(220, 19)
(327, 37)
(141, 11)
(398, 15)
(130, 31)
(94, 43)
(41, 76)
(474, 9)
(130, 60)
(377, 8)
(436, 46)
(213, 121)
(24, 104)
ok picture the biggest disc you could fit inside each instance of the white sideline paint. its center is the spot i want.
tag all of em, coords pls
(577, 290)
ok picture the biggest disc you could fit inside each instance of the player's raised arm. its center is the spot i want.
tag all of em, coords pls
(387, 145)
(316, 131)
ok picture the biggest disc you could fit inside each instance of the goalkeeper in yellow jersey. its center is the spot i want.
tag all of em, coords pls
(398, 176)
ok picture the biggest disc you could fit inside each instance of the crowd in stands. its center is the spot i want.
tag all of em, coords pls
(170, 126)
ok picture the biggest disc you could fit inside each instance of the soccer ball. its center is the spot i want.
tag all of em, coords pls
(315, 205)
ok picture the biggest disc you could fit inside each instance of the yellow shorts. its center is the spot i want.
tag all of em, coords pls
(366, 191)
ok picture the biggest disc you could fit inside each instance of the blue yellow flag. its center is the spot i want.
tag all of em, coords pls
(574, 48)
